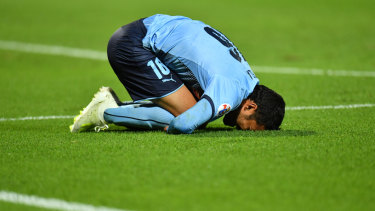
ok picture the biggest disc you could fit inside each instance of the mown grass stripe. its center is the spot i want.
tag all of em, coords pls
(100, 55)
(50, 203)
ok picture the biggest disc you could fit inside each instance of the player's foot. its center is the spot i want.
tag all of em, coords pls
(92, 116)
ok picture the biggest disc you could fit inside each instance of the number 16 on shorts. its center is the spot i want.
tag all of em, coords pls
(158, 67)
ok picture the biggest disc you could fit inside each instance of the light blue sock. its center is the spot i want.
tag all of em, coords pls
(140, 116)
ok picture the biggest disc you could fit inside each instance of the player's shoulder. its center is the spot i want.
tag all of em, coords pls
(226, 94)
(160, 19)
(223, 87)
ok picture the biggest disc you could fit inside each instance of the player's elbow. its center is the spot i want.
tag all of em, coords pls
(177, 127)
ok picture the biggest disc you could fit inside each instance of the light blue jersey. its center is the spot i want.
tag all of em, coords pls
(205, 60)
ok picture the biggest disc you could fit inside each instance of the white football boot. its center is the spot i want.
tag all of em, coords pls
(92, 116)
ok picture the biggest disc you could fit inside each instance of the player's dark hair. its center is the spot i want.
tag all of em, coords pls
(271, 107)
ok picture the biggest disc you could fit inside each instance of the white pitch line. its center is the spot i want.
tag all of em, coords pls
(334, 107)
(318, 72)
(50, 203)
(102, 56)
(53, 50)
(35, 118)
(330, 107)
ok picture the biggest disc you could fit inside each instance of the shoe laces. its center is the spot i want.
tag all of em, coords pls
(101, 128)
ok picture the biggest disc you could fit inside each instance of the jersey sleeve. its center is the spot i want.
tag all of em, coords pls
(220, 97)
(191, 119)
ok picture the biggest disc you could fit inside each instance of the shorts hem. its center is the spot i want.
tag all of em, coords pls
(153, 98)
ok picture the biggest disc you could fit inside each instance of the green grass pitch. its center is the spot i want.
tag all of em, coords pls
(320, 160)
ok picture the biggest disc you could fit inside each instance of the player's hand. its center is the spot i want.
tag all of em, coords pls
(166, 128)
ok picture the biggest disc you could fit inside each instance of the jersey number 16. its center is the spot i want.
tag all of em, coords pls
(158, 67)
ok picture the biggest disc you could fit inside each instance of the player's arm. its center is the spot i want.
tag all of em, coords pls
(191, 119)
(189, 114)
(222, 93)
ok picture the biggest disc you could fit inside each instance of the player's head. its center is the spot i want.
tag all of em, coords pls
(263, 110)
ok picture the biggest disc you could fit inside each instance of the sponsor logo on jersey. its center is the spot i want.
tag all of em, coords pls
(223, 109)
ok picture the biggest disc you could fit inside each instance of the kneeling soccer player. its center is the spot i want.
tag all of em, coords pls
(188, 73)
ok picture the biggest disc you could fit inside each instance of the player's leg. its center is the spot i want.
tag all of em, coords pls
(143, 75)
(141, 116)
(177, 102)
(106, 108)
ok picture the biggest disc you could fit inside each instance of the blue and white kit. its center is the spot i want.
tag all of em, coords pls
(176, 50)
